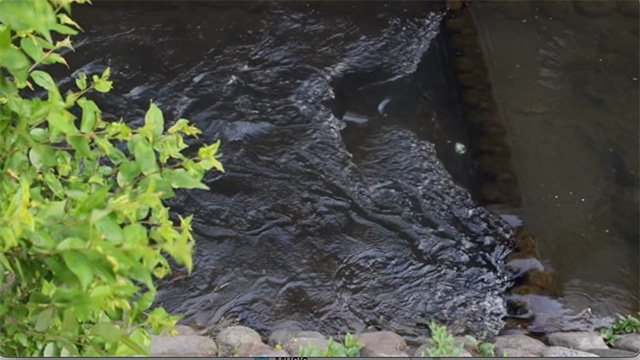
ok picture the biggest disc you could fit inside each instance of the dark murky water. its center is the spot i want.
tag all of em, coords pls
(313, 225)
(565, 77)
(344, 202)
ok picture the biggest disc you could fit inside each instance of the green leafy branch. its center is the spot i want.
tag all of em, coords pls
(84, 232)
(628, 324)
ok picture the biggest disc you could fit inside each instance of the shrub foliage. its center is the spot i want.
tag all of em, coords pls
(350, 348)
(628, 324)
(83, 229)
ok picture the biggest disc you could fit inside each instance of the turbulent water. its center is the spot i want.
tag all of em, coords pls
(307, 228)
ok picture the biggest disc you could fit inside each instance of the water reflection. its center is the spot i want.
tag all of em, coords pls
(565, 76)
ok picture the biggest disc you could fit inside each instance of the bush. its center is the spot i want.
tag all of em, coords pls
(624, 325)
(442, 342)
(83, 230)
(351, 348)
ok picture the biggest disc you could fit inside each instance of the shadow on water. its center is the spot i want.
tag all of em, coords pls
(565, 77)
(319, 222)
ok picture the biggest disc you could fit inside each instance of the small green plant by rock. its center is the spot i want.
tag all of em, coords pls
(351, 348)
(442, 342)
(83, 229)
(484, 349)
(624, 325)
(487, 350)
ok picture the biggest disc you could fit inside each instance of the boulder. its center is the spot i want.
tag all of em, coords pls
(384, 353)
(183, 345)
(233, 337)
(382, 343)
(465, 353)
(579, 340)
(515, 353)
(185, 330)
(508, 343)
(559, 351)
(609, 353)
(283, 336)
(630, 342)
(414, 342)
(467, 344)
(422, 352)
(294, 344)
(260, 349)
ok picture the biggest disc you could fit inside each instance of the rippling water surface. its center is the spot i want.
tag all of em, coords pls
(319, 222)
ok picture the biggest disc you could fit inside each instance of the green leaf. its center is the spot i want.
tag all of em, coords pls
(63, 29)
(54, 58)
(35, 158)
(160, 185)
(144, 154)
(128, 172)
(44, 80)
(53, 209)
(181, 252)
(32, 48)
(39, 134)
(145, 301)
(50, 350)
(110, 229)
(80, 266)
(90, 112)
(81, 81)
(180, 179)
(182, 126)
(89, 202)
(63, 122)
(42, 155)
(53, 183)
(67, 20)
(72, 243)
(134, 346)
(13, 59)
(44, 320)
(119, 130)
(102, 83)
(81, 145)
(153, 123)
(5, 263)
(105, 170)
(115, 155)
(108, 331)
(5, 36)
(209, 154)
(69, 350)
(169, 146)
(135, 234)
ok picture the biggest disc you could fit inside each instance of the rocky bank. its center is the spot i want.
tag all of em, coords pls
(242, 341)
